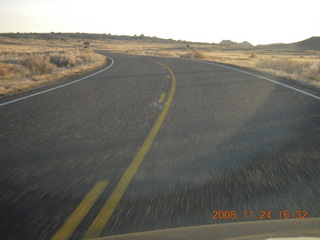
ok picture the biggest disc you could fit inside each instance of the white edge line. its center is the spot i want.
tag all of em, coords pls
(60, 86)
(268, 79)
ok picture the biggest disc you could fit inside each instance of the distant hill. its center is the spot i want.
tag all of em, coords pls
(93, 36)
(227, 43)
(245, 44)
(312, 43)
(235, 44)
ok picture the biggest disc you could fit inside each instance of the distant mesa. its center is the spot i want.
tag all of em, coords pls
(312, 43)
(227, 43)
(230, 43)
(245, 44)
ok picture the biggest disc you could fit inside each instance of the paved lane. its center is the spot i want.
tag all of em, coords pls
(56, 146)
(230, 141)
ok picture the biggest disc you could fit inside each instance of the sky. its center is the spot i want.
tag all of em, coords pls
(256, 21)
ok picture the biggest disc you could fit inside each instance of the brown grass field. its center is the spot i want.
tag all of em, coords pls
(298, 65)
(26, 62)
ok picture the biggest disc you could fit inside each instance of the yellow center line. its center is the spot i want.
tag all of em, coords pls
(162, 97)
(108, 208)
(80, 212)
(168, 76)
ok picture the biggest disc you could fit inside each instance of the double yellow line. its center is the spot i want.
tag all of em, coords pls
(108, 208)
(80, 212)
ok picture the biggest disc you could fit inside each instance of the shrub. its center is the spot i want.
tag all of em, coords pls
(4, 69)
(312, 71)
(253, 55)
(304, 69)
(38, 64)
(59, 60)
(266, 63)
(8, 70)
(186, 55)
(199, 55)
(71, 58)
(289, 66)
(281, 64)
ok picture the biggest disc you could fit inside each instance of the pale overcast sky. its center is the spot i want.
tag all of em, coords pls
(256, 21)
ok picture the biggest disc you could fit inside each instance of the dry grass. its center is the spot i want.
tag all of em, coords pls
(65, 58)
(25, 64)
(38, 64)
(71, 58)
(299, 65)
(296, 68)
(198, 54)
(195, 54)
(8, 70)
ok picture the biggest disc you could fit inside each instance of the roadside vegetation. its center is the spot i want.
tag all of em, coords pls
(300, 65)
(26, 64)
(301, 69)
(28, 60)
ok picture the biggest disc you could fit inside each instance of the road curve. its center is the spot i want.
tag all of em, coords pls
(228, 141)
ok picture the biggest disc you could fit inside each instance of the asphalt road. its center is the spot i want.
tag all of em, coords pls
(228, 141)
